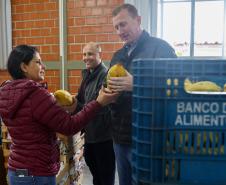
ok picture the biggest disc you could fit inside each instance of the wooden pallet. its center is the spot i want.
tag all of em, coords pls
(4, 154)
(5, 144)
(67, 158)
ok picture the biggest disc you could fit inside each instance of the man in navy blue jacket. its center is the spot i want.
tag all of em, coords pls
(138, 44)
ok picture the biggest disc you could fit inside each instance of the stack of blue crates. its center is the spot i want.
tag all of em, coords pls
(179, 137)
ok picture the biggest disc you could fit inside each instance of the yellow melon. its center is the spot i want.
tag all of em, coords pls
(116, 70)
(63, 97)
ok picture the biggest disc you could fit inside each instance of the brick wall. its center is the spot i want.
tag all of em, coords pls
(74, 80)
(36, 22)
(4, 76)
(90, 20)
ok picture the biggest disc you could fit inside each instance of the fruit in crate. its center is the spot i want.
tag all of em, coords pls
(224, 87)
(201, 86)
(116, 70)
(63, 97)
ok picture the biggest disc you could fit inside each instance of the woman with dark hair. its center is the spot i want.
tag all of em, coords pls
(33, 117)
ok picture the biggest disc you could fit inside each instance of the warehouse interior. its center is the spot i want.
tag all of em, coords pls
(196, 30)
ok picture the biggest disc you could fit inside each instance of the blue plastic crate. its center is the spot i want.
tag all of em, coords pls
(183, 135)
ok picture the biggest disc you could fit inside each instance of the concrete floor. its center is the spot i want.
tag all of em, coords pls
(87, 177)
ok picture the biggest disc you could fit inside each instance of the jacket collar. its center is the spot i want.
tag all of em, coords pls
(87, 74)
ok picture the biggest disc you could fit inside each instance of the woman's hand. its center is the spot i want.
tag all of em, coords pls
(106, 96)
(70, 108)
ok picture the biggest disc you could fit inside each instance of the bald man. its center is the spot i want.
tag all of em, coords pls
(98, 148)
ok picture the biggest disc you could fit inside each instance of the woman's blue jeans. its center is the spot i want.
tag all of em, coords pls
(14, 179)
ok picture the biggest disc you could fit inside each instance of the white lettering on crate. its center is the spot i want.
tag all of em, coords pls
(201, 114)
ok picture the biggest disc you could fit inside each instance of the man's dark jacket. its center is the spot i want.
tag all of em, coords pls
(99, 129)
(121, 111)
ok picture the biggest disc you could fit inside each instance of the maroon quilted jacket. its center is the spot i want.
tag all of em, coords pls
(32, 117)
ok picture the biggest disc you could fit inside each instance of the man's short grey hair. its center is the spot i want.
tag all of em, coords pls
(94, 45)
(130, 8)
